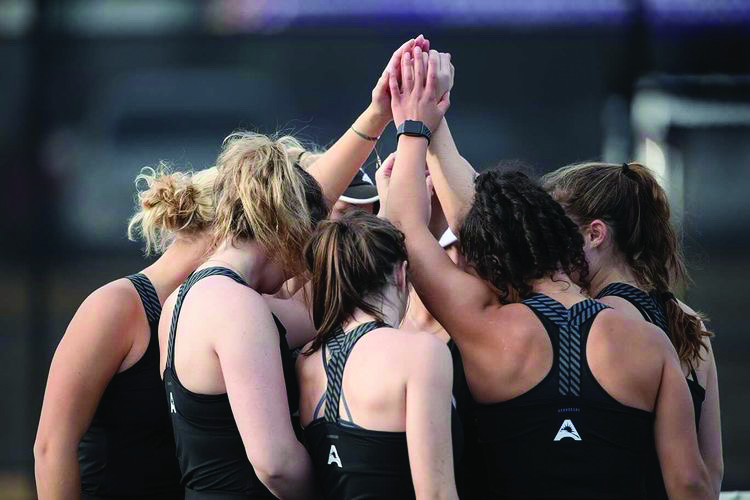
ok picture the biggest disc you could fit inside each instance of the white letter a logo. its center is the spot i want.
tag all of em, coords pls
(333, 456)
(567, 430)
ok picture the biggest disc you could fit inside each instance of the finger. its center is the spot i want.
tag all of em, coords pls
(393, 86)
(430, 186)
(432, 72)
(387, 167)
(407, 73)
(444, 103)
(418, 69)
(393, 64)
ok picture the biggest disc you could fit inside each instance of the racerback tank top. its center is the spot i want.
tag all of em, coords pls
(654, 312)
(128, 450)
(566, 437)
(211, 454)
(350, 462)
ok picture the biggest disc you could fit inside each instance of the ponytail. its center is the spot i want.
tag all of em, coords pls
(173, 202)
(351, 260)
(631, 202)
(263, 195)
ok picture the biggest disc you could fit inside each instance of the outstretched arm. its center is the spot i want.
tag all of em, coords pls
(335, 169)
(442, 287)
(452, 176)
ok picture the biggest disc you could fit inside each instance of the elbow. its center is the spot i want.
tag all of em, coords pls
(694, 484)
(276, 468)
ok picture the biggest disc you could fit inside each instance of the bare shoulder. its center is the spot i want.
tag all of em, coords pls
(114, 303)
(620, 327)
(410, 344)
(225, 298)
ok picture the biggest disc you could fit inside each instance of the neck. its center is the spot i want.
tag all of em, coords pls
(175, 264)
(617, 272)
(391, 310)
(246, 259)
(557, 284)
(417, 316)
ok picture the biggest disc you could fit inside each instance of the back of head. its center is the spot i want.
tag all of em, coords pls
(172, 203)
(515, 233)
(263, 195)
(351, 261)
(628, 198)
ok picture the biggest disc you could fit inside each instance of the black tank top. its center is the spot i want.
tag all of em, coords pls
(654, 312)
(350, 462)
(566, 437)
(210, 451)
(128, 450)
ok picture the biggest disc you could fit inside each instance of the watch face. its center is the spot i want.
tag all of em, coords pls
(412, 127)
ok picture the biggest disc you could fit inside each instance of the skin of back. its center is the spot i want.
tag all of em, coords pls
(387, 391)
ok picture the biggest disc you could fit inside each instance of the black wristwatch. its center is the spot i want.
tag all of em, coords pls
(413, 128)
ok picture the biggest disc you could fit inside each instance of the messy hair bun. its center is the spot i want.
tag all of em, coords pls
(171, 203)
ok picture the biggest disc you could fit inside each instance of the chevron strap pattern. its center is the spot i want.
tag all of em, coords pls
(568, 322)
(340, 349)
(651, 309)
(148, 296)
(184, 288)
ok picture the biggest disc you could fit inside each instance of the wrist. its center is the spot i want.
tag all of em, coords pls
(376, 118)
(414, 128)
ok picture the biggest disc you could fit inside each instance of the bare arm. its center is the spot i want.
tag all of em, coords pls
(684, 473)
(335, 169)
(709, 433)
(452, 176)
(442, 287)
(248, 351)
(94, 346)
(428, 422)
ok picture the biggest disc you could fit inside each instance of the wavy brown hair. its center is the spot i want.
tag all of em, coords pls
(351, 260)
(515, 233)
(634, 206)
(263, 195)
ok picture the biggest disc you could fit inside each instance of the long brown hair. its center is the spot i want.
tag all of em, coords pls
(263, 195)
(351, 260)
(631, 202)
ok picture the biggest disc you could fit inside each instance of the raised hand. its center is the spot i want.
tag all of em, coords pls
(381, 96)
(418, 97)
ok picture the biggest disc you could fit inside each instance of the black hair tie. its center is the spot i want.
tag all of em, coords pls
(625, 168)
(667, 296)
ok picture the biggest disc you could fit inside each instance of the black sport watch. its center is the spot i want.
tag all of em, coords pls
(413, 128)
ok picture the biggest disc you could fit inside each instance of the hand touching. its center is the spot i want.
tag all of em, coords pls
(418, 97)
(381, 97)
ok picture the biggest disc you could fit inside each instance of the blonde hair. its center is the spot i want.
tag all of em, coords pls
(263, 195)
(171, 203)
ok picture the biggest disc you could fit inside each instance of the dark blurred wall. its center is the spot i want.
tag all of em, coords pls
(108, 106)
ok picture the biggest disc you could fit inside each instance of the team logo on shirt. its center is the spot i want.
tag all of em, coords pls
(333, 456)
(567, 430)
(172, 408)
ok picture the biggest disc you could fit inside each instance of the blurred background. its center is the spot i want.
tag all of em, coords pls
(93, 90)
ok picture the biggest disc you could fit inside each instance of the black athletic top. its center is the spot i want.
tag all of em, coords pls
(128, 450)
(350, 462)
(210, 451)
(654, 312)
(566, 437)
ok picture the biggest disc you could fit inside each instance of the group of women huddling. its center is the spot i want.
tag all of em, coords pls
(272, 350)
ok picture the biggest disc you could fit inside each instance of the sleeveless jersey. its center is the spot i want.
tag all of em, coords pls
(211, 454)
(350, 462)
(128, 450)
(566, 437)
(655, 313)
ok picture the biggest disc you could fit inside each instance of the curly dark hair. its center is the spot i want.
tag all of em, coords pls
(515, 233)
